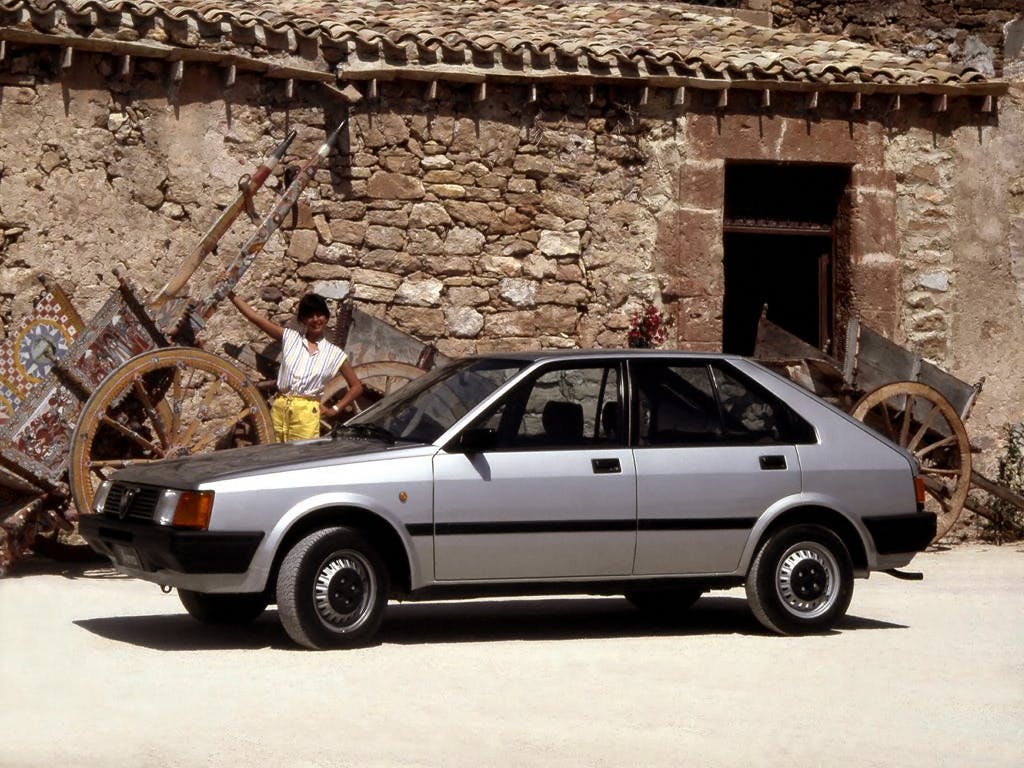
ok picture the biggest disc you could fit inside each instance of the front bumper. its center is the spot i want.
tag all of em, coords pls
(895, 534)
(145, 546)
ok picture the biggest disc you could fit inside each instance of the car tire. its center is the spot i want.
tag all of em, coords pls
(801, 581)
(664, 602)
(332, 589)
(223, 609)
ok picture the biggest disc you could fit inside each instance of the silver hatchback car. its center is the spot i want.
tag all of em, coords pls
(655, 475)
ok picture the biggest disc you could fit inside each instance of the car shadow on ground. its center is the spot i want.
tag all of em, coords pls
(476, 621)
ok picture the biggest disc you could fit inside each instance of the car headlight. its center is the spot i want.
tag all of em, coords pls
(185, 509)
(99, 500)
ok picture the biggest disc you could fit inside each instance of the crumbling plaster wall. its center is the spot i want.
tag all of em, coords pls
(960, 198)
(966, 292)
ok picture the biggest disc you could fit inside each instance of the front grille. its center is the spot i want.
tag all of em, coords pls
(131, 502)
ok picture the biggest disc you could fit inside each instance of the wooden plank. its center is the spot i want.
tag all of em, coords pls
(960, 394)
(371, 339)
(773, 341)
(880, 361)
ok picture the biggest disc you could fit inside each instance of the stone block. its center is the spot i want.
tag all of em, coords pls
(429, 215)
(877, 285)
(348, 232)
(472, 214)
(559, 243)
(533, 166)
(376, 278)
(518, 292)
(391, 238)
(698, 319)
(302, 246)
(463, 322)
(701, 185)
(468, 296)
(568, 294)
(403, 163)
(447, 191)
(776, 137)
(508, 266)
(394, 186)
(463, 241)
(348, 209)
(424, 242)
(420, 290)
(389, 218)
(873, 225)
(689, 243)
(422, 322)
(444, 177)
(565, 205)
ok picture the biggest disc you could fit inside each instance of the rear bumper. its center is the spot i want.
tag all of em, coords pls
(162, 548)
(894, 534)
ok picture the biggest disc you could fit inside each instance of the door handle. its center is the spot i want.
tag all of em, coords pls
(772, 462)
(606, 466)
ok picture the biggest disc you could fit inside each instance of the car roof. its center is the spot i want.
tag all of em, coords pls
(538, 355)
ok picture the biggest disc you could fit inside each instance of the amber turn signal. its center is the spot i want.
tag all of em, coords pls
(919, 491)
(194, 510)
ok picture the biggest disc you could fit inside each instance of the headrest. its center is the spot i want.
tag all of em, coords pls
(563, 419)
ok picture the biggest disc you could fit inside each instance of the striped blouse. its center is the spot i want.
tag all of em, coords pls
(305, 374)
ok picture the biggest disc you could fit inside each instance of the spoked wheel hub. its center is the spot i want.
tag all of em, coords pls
(344, 590)
(806, 580)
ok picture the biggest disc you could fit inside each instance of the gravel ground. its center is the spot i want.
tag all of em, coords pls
(102, 670)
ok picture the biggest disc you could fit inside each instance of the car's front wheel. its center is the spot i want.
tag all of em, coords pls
(801, 581)
(223, 609)
(332, 589)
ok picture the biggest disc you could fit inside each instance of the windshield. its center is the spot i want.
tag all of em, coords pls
(425, 408)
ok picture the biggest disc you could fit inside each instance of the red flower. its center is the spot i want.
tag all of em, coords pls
(647, 328)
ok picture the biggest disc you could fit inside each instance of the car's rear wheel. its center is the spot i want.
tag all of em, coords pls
(332, 589)
(801, 581)
(664, 602)
(223, 609)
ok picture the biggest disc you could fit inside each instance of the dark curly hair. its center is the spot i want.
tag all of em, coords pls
(312, 304)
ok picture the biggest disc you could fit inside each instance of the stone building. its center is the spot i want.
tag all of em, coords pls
(519, 175)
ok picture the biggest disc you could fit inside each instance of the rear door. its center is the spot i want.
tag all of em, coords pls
(554, 497)
(713, 450)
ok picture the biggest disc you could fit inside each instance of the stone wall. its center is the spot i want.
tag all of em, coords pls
(477, 225)
(507, 224)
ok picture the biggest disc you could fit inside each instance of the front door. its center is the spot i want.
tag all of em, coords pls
(556, 497)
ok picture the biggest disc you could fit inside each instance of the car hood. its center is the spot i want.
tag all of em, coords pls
(192, 471)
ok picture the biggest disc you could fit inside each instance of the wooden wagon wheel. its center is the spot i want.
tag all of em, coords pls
(379, 378)
(161, 404)
(921, 420)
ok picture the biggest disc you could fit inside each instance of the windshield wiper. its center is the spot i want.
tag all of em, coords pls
(367, 430)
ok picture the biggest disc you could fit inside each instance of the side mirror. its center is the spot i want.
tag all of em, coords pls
(476, 440)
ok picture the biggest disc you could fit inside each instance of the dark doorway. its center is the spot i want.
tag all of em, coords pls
(779, 250)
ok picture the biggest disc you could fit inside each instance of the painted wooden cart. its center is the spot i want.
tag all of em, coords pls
(896, 392)
(80, 400)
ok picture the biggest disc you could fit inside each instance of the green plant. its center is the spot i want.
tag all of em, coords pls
(1009, 518)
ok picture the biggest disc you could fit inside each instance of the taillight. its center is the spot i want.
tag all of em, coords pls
(919, 492)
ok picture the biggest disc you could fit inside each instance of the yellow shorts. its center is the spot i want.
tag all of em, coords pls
(295, 418)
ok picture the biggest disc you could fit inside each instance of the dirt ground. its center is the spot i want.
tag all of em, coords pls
(100, 670)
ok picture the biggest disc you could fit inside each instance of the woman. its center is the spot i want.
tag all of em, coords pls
(309, 367)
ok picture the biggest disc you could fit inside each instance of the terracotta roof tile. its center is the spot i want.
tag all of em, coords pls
(613, 39)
